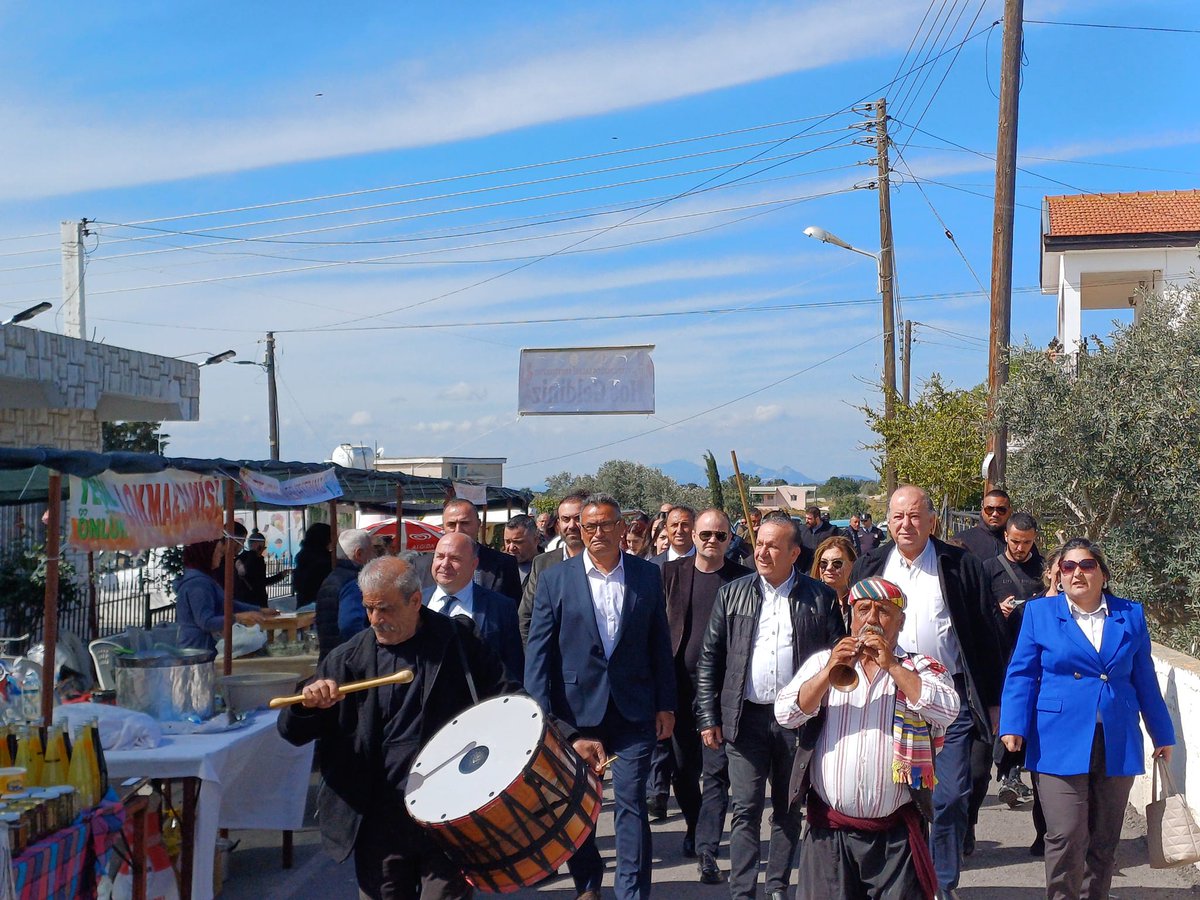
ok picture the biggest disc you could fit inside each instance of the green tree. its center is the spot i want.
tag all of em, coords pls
(635, 485)
(1106, 446)
(715, 490)
(937, 442)
(135, 437)
(733, 498)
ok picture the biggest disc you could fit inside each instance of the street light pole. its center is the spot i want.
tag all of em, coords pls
(272, 396)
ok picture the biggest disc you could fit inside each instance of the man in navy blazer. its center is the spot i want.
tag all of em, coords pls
(455, 593)
(599, 657)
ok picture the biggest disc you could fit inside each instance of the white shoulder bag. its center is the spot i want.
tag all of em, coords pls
(1171, 833)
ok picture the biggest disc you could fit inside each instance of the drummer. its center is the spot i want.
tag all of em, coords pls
(367, 740)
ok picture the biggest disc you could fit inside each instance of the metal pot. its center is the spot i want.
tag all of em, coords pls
(169, 687)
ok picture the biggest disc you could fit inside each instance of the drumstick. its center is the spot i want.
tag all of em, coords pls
(404, 676)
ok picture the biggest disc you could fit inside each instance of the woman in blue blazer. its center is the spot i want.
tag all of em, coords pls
(1079, 677)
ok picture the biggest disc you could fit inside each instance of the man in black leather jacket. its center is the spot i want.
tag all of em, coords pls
(763, 626)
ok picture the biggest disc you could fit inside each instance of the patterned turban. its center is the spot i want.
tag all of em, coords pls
(877, 588)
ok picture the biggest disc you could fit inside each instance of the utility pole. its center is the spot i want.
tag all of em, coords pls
(907, 359)
(272, 395)
(887, 273)
(1002, 233)
(71, 234)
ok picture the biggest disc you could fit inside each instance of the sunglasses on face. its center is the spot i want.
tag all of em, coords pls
(1067, 566)
(995, 510)
(718, 536)
(835, 564)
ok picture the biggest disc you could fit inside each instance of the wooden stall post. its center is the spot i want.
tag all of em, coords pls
(93, 612)
(50, 620)
(333, 532)
(398, 547)
(229, 560)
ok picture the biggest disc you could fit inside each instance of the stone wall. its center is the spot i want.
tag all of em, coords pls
(62, 429)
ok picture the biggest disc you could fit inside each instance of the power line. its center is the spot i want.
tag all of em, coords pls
(928, 73)
(908, 85)
(1115, 27)
(704, 412)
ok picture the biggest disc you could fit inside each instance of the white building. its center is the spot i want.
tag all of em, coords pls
(1100, 250)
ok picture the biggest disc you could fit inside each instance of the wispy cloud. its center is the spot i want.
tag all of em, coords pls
(406, 105)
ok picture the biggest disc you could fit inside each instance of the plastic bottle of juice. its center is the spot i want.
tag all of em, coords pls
(54, 769)
(79, 773)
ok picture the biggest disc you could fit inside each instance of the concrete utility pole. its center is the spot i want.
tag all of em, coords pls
(272, 395)
(74, 324)
(907, 359)
(1002, 233)
(887, 273)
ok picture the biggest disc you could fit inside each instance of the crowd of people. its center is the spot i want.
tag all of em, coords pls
(868, 685)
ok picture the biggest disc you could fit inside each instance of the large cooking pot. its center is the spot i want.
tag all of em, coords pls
(169, 686)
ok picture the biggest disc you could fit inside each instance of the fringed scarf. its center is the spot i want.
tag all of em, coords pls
(915, 742)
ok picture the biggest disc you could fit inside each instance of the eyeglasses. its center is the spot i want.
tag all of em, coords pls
(593, 527)
(1068, 566)
(995, 510)
(835, 564)
(718, 536)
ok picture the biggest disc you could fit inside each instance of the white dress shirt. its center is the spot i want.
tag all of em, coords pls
(1091, 623)
(463, 603)
(772, 659)
(608, 599)
(673, 554)
(927, 629)
(851, 766)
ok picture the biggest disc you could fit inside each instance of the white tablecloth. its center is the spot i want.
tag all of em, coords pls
(250, 778)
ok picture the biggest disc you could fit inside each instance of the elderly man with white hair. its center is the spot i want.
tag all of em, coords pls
(339, 598)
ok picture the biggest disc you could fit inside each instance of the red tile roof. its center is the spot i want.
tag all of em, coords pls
(1144, 212)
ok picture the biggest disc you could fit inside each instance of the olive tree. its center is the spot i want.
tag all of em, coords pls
(1106, 445)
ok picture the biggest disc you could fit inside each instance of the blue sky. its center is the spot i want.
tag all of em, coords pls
(701, 141)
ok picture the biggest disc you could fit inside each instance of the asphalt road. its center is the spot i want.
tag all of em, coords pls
(1000, 869)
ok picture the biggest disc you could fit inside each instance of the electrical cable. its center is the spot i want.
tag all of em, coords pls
(1115, 27)
(919, 85)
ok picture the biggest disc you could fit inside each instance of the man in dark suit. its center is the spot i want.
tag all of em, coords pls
(497, 571)
(986, 537)
(949, 618)
(762, 627)
(567, 524)
(691, 585)
(521, 543)
(599, 657)
(455, 594)
(681, 522)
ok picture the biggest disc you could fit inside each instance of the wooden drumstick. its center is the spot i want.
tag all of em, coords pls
(404, 676)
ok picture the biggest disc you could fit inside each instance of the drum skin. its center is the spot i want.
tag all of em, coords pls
(523, 833)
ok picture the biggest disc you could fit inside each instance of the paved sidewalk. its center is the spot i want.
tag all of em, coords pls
(1000, 869)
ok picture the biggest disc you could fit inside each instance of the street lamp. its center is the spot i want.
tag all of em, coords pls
(26, 314)
(219, 358)
(884, 286)
(272, 394)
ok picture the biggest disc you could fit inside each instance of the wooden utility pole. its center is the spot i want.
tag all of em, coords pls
(887, 272)
(907, 380)
(1002, 233)
(272, 395)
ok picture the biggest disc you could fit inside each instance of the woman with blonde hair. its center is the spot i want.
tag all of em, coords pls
(832, 561)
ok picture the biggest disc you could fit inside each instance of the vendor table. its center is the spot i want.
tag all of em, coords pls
(247, 778)
(301, 666)
(291, 625)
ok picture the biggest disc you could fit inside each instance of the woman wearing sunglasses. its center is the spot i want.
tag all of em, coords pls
(831, 566)
(1079, 677)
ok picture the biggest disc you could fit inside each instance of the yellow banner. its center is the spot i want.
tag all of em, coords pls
(137, 512)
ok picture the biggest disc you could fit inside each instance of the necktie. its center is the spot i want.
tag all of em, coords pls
(448, 602)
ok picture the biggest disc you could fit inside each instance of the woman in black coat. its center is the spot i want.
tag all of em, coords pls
(313, 563)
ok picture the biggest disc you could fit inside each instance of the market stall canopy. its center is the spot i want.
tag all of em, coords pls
(24, 477)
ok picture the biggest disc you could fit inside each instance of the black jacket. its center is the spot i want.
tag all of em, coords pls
(349, 734)
(328, 635)
(677, 586)
(725, 660)
(983, 541)
(961, 577)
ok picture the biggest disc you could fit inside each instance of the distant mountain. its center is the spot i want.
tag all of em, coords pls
(687, 472)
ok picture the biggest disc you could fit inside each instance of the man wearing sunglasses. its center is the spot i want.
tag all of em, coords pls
(691, 585)
(986, 538)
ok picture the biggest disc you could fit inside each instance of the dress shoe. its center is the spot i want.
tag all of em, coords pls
(710, 873)
(1038, 847)
(589, 895)
(656, 806)
(689, 846)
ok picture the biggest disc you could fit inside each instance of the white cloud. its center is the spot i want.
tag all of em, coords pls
(361, 417)
(462, 392)
(147, 141)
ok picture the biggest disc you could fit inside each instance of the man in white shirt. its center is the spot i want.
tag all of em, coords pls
(761, 627)
(949, 618)
(681, 522)
(865, 836)
(454, 593)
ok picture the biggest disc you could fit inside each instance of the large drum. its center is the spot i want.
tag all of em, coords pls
(504, 794)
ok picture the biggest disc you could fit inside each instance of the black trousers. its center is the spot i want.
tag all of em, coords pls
(389, 867)
(701, 776)
(857, 865)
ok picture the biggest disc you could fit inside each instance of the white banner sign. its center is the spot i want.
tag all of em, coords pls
(586, 381)
(135, 512)
(303, 491)
(476, 493)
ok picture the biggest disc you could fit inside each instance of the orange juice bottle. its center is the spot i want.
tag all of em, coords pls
(54, 768)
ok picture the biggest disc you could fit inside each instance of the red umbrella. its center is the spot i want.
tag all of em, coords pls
(417, 535)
